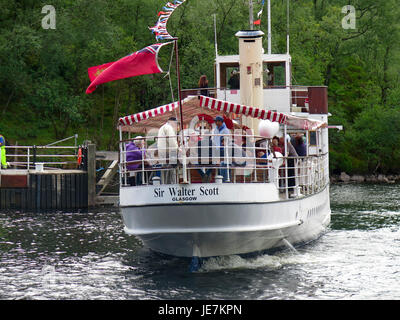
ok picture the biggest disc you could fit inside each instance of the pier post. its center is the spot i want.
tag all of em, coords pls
(91, 171)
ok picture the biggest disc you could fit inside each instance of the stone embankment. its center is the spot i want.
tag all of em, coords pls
(380, 178)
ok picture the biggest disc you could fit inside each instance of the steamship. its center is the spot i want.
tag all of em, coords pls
(264, 202)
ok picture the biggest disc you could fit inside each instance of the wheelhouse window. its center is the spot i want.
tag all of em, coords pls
(230, 76)
(274, 74)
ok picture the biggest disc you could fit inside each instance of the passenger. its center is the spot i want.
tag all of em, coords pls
(203, 83)
(291, 150)
(291, 154)
(262, 152)
(135, 152)
(3, 152)
(234, 80)
(275, 145)
(167, 145)
(218, 142)
(300, 146)
(167, 142)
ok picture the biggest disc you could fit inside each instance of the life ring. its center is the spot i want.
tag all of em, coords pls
(79, 156)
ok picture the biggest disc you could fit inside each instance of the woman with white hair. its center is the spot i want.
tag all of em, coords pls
(134, 157)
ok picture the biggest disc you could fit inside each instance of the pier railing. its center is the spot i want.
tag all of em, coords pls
(210, 158)
(48, 157)
(58, 177)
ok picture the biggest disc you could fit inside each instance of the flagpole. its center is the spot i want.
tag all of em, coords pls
(288, 28)
(251, 14)
(180, 111)
(215, 35)
(269, 28)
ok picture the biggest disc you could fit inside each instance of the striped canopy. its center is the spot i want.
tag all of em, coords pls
(229, 107)
(143, 122)
(155, 118)
(137, 117)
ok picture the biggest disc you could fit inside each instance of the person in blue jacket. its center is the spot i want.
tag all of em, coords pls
(219, 144)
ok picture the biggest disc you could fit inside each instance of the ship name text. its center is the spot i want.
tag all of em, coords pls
(184, 194)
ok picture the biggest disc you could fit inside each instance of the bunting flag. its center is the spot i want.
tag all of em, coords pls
(142, 62)
(258, 21)
(262, 8)
(160, 29)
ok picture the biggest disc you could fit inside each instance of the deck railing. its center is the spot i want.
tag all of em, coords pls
(206, 161)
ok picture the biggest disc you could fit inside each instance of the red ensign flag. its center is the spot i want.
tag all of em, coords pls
(136, 64)
(94, 72)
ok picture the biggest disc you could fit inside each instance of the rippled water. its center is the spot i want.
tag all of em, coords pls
(88, 256)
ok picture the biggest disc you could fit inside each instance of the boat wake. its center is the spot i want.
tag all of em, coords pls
(237, 262)
(264, 261)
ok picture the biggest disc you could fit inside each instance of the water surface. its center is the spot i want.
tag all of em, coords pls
(78, 256)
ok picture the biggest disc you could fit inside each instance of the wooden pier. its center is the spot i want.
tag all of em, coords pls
(54, 190)
(40, 189)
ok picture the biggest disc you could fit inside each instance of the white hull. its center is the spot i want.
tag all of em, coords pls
(242, 218)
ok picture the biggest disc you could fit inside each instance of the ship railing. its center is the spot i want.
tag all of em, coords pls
(230, 162)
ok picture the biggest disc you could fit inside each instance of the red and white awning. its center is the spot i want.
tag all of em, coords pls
(229, 107)
(155, 118)
(142, 122)
(137, 117)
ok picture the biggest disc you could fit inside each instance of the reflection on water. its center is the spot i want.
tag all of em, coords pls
(88, 256)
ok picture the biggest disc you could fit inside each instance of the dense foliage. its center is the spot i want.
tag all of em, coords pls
(43, 72)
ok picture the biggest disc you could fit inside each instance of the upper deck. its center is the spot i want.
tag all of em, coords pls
(278, 92)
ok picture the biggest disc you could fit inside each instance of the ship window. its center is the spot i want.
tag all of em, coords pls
(274, 74)
(229, 76)
(313, 138)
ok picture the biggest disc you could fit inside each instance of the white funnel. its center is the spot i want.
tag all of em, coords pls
(251, 72)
